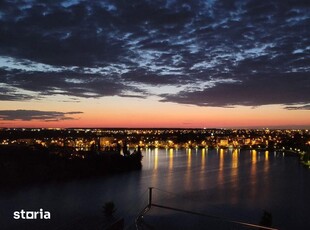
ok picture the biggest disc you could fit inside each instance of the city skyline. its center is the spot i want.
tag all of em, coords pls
(213, 64)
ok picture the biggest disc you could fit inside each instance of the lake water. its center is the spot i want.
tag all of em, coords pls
(235, 184)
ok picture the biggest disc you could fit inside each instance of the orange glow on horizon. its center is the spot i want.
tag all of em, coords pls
(139, 113)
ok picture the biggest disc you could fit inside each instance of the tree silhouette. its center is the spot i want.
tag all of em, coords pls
(109, 209)
(266, 219)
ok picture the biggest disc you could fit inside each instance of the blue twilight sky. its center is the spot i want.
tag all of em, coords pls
(208, 53)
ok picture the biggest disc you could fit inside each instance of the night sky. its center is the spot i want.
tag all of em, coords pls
(132, 63)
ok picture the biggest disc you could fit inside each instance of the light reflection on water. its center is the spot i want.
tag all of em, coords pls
(234, 176)
(253, 178)
(156, 159)
(170, 159)
(233, 183)
(202, 175)
(253, 168)
(188, 172)
(203, 159)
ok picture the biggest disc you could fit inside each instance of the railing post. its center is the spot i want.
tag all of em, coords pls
(150, 197)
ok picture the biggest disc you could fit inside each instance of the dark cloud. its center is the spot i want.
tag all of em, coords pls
(152, 78)
(302, 107)
(107, 48)
(255, 91)
(9, 94)
(60, 83)
(28, 115)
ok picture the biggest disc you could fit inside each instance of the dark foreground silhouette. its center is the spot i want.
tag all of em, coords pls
(21, 165)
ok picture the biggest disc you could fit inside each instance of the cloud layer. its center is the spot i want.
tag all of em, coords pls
(211, 53)
(29, 115)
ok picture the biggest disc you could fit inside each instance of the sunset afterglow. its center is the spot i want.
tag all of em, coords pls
(198, 64)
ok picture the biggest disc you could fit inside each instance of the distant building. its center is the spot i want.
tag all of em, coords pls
(247, 141)
(223, 142)
(25, 141)
(106, 142)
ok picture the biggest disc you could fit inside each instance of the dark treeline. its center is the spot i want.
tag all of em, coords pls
(21, 165)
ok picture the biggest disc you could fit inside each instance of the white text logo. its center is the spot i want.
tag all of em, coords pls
(31, 215)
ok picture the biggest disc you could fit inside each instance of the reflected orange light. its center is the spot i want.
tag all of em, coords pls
(203, 159)
(189, 158)
(266, 164)
(221, 159)
(156, 159)
(266, 155)
(149, 157)
(170, 159)
(253, 172)
(221, 168)
(254, 156)
(234, 175)
(188, 171)
(234, 162)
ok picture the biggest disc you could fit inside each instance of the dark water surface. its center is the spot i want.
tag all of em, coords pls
(235, 184)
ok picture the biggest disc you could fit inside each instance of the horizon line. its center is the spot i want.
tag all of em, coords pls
(301, 127)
